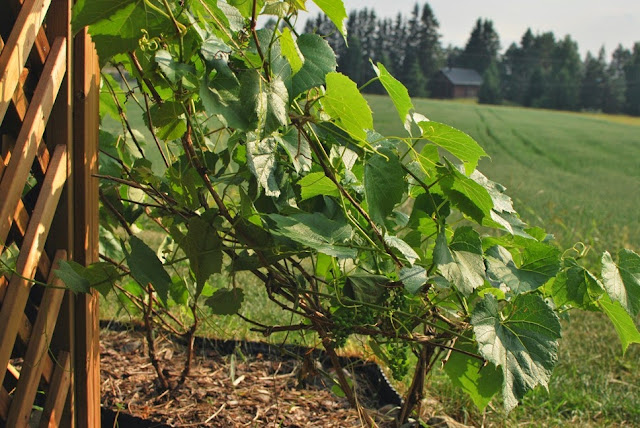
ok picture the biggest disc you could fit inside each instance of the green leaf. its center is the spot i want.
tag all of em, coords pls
(117, 26)
(413, 278)
(461, 261)
(503, 215)
(298, 150)
(202, 246)
(467, 195)
(540, 262)
(213, 48)
(522, 341)
(319, 60)
(346, 105)
(168, 119)
(365, 288)
(576, 287)
(88, 12)
(622, 322)
(245, 7)
(404, 248)
(481, 382)
(335, 11)
(291, 51)
(316, 232)
(398, 94)
(317, 183)
(455, 142)
(146, 268)
(384, 184)
(622, 281)
(173, 70)
(70, 273)
(265, 102)
(261, 158)
(226, 302)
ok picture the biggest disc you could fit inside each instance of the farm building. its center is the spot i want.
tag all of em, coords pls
(452, 82)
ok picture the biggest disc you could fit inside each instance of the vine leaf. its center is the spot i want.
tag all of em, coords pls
(384, 184)
(319, 60)
(461, 261)
(298, 150)
(481, 382)
(540, 262)
(346, 105)
(404, 248)
(291, 51)
(226, 302)
(523, 342)
(202, 246)
(622, 280)
(467, 195)
(265, 102)
(413, 278)
(335, 11)
(316, 232)
(173, 70)
(622, 322)
(88, 12)
(456, 142)
(169, 120)
(261, 158)
(72, 277)
(116, 26)
(575, 286)
(317, 183)
(502, 214)
(398, 93)
(146, 267)
(364, 287)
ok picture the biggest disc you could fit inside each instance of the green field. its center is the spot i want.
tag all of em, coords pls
(576, 175)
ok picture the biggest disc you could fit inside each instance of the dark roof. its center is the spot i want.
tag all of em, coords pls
(462, 76)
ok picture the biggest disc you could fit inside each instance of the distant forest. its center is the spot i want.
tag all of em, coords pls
(542, 71)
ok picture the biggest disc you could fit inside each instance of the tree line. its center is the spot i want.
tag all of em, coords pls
(541, 71)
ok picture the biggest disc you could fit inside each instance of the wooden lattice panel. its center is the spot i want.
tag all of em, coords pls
(38, 352)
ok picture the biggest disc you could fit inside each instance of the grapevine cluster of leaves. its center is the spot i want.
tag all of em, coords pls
(260, 157)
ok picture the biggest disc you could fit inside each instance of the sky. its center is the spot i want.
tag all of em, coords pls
(591, 23)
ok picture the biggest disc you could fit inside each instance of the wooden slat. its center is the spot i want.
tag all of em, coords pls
(33, 246)
(17, 48)
(36, 354)
(57, 394)
(17, 171)
(85, 225)
(42, 43)
(21, 104)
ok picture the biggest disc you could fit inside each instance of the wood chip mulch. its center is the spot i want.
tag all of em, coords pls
(254, 391)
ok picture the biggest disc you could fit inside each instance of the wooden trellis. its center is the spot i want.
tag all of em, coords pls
(49, 353)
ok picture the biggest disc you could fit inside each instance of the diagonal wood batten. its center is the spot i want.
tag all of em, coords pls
(17, 48)
(17, 172)
(18, 290)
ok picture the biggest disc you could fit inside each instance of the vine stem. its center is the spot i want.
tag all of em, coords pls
(254, 34)
(151, 341)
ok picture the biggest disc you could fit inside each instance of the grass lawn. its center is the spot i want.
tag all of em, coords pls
(576, 175)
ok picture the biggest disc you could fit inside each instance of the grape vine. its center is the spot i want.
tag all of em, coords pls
(247, 152)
